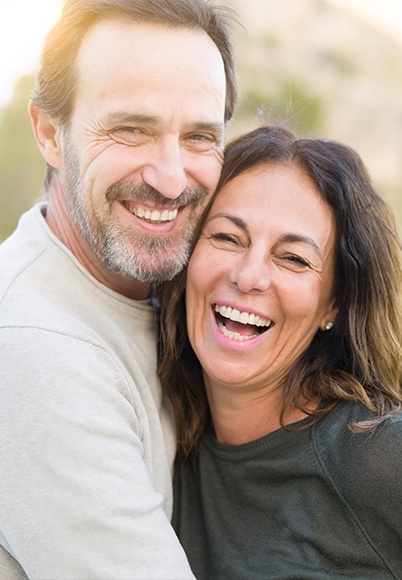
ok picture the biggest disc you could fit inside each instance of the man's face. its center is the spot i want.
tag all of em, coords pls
(143, 149)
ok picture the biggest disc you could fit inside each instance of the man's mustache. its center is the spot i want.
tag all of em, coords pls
(144, 193)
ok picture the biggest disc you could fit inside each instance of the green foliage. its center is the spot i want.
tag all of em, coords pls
(21, 164)
(340, 63)
(291, 104)
(300, 107)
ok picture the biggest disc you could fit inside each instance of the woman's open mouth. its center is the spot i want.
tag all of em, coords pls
(238, 325)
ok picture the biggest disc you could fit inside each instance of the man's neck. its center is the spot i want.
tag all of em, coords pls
(61, 226)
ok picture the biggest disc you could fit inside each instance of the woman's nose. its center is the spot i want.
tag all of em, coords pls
(252, 273)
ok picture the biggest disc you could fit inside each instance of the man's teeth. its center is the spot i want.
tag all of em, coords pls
(154, 216)
(242, 317)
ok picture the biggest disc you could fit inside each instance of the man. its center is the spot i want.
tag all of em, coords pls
(129, 113)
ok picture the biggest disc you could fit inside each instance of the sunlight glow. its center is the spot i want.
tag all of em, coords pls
(23, 27)
(385, 15)
(24, 24)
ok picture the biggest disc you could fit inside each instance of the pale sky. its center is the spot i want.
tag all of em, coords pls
(385, 14)
(23, 27)
(24, 24)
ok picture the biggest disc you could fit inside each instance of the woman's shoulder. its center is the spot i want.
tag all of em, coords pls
(337, 428)
(340, 447)
(364, 469)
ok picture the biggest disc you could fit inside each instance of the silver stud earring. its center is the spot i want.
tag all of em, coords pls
(329, 325)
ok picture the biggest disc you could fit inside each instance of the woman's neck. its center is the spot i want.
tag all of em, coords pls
(242, 416)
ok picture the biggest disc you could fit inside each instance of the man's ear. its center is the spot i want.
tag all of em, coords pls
(47, 135)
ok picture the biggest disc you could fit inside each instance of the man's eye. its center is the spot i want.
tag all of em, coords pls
(201, 142)
(128, 135)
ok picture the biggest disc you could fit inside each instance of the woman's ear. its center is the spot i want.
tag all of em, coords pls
(47, 135)
(328, 319)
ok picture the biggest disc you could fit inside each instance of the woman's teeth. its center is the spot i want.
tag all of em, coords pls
(242, 317)
(245, 318)
(235, 335)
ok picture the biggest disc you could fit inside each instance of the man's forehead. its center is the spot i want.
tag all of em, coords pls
(129, 61)
(107, 34)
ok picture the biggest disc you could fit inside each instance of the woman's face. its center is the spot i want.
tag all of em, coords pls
(260, 280)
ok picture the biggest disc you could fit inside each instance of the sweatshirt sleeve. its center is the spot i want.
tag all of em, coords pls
(76, 496)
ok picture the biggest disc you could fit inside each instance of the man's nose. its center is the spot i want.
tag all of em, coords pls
(165, 172)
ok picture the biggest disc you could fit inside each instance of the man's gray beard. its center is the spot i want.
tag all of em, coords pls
(111, 243)
(133, 262)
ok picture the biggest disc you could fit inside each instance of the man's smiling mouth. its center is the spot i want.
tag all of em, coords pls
(153, 216)
(238, 325)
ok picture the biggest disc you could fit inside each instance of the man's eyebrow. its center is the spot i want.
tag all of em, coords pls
(207, 126)
(119, 118)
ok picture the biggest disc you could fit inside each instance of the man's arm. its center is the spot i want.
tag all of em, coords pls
(76, 496)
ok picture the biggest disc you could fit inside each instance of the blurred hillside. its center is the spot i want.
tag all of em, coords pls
(312, 64)
(326, 72)
(22, 167)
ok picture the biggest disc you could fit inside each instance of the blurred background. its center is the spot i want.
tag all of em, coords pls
(327, 68)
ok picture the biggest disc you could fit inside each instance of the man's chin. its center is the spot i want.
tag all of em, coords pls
(147, 273)
(144, 259)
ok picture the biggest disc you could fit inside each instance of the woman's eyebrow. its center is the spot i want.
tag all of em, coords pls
(233, 218)
(294, 238)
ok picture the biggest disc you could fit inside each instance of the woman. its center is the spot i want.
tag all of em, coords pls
(290, 437)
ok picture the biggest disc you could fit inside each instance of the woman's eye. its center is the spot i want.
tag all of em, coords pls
(225, 238)
(297, 260)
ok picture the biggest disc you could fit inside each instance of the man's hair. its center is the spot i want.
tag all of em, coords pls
(57, 77)
(360, 358)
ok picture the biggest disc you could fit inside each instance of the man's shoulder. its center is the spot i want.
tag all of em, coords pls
(22, 249)
(43, 285)
(33, 276)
